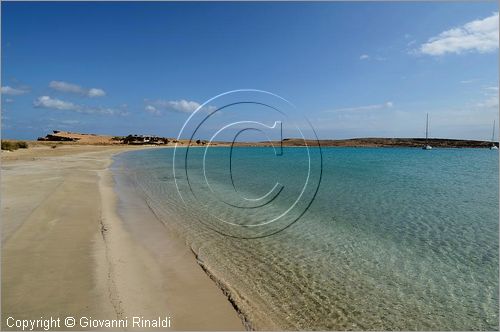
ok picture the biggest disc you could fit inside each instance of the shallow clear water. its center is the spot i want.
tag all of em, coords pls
(394, 239)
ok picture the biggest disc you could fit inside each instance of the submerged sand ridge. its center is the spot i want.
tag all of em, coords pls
(65, 252)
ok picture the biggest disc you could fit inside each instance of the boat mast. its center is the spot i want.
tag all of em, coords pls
(493, 134)
(427, 129)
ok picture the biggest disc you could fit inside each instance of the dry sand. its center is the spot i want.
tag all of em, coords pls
(66, 252)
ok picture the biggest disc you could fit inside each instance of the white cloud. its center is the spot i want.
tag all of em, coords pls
(7, 90)
(373, 107)
(61, 105)
(151, 109)
(364, 57)
(54, 103)
(74, 88)
(96, 93)
(181, 106)
(480, 36)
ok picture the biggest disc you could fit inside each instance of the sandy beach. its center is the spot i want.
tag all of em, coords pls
(67, 252)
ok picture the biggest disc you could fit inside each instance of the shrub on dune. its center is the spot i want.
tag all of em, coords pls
(11, 146)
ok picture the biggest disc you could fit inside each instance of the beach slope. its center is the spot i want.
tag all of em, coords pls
(65, 251)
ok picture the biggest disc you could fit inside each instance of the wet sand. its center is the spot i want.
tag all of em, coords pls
(66, 251)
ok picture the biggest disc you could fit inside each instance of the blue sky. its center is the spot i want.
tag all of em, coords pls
(353, 69)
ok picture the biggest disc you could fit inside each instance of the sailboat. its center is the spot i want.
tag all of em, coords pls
(427, 146)
(493, 145)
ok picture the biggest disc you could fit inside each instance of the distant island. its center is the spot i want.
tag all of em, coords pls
(67, 137)
(394, 142)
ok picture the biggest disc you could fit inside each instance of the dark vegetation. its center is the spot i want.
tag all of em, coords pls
(57, 138)
(14, 145)
(141, 139)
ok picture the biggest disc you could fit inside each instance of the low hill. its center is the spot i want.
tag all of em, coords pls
(66, 136)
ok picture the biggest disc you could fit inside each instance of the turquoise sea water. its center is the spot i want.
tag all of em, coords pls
(395, 238)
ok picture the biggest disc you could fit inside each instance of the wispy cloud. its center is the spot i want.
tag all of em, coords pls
(66, 87)
(77, 89)
(180, 106)
(61, 105)
(69, 122)
(62, 123)
(7, 90)
(491, 102)
(490, 98)
(469, 81)
(373, 107)
(368, 57)
(476, 36)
